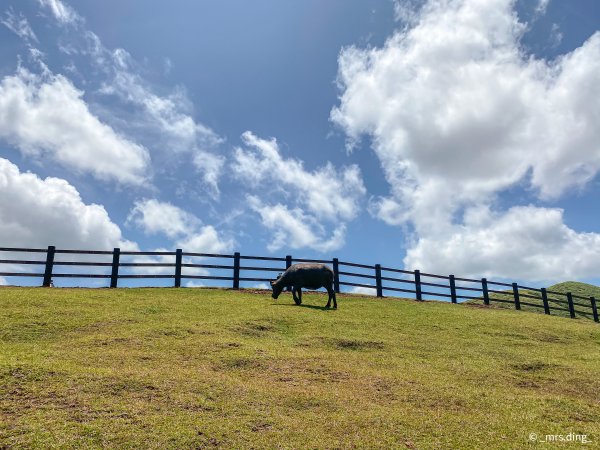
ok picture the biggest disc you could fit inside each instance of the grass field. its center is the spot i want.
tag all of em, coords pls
(209, 368)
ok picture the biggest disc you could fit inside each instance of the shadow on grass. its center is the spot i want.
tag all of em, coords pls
(321, 308)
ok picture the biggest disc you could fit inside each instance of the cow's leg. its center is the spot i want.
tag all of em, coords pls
(331, 294)
(297, 290)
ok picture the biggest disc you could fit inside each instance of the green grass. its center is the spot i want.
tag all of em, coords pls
(583, 310)
(204, 368)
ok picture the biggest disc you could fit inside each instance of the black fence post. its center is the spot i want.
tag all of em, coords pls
(114, 275)
(545, 300)
(486, 294)
(453, 289)
(594, 309)
(378, 280)
(571, 305)
(49, 265)
(516, 295)
(418, 293)
(236, 270)
(288, 264)
(178, 261)
(336, 275)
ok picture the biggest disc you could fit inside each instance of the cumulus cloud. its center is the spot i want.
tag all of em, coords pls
(46, 116)
(19, 25)
(294, 229)
(363, 291)
(160, 217)
(326, 192)
(39, 212)
(304, 204)
(185, 229)
(206, 239)
(528, 241)
(458, 113)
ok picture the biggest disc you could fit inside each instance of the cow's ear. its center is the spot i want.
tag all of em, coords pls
(272, 283)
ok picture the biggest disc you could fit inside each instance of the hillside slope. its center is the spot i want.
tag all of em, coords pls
(577, 288)
(558, 303)
(208, 368)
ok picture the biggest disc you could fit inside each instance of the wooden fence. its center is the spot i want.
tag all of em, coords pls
(421, 285)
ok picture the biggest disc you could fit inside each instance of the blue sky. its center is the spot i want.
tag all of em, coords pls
(454, 136)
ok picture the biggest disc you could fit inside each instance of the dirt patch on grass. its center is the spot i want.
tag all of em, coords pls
(532, 367)
(241, 362)
(355, 344)
(527, 384)
(300, 372)
(255, 329)
(261, 427)
(547, 337)
(120, 341)
(171, 332)
(103, 324)
(384, 389)
(31, 331)
(128, 385)
(257, 291)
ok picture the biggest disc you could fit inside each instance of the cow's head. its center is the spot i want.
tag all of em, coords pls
(277, 288)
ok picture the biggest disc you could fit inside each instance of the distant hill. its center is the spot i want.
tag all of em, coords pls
(558, 305)
(577, 288)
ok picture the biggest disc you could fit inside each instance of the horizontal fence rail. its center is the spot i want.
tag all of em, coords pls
(372, 279)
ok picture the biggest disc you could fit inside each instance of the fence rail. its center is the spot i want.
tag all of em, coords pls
(420, 284)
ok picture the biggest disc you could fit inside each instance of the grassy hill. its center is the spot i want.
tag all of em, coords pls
(576, 288)
(210, 368)
(559, 308)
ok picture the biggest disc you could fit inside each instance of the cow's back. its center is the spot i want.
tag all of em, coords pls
(311, 276)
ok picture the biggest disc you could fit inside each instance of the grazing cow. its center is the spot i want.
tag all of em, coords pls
(310, 276)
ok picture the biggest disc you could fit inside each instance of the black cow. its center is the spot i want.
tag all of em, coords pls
(310, 276)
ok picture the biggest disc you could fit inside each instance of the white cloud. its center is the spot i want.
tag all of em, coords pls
(363, 291)
(165, 122)
(19, 25)
(183, 228)
(206, 240)
(541, 7)
(457, 113)
(556, 36)
(327, 192)
(161, 217)
(171, 115)
(47, 116)
(154, 217)
(210, 166)
(39, 212)
(164, 259)
(61, 11)
(294, 229)
(313, 201)
(407, 10)
(526, 242)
